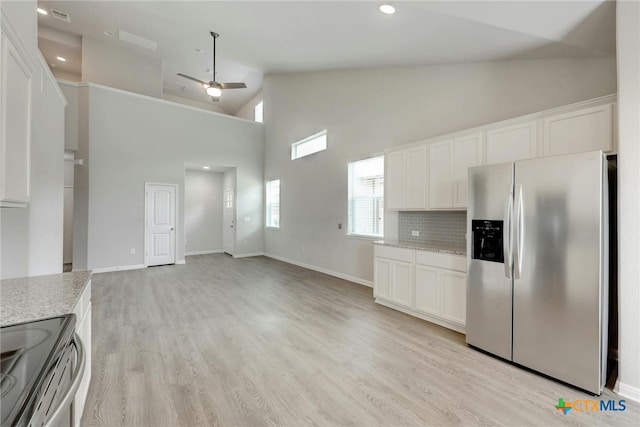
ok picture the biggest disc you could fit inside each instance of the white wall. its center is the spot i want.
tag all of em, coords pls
(122, 66)
(32, 236)
(367, 111)
(247, 112)
(132, 139)
(628, 47)
(193, 103)
(70, 117)
(202, 211)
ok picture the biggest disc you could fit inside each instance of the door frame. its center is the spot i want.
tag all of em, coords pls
(233, 219)
(175, 216)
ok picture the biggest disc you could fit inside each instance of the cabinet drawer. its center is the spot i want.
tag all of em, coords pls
(445, 261)
(397, 254)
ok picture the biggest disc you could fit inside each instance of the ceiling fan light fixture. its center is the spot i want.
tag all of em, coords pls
(214, 91)
(387, 9)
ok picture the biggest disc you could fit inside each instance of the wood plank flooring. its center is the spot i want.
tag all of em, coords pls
(258, 342)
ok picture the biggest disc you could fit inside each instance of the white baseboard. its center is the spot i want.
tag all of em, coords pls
(626, 390)
(118, 268)
(216, 251)
(181, 261)
(433, 319)
(248, 255)
(322, 270)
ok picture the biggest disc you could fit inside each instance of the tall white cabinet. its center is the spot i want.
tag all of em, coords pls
(15, 121)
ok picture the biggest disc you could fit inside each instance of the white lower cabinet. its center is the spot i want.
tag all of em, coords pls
(428, 285)
(393, 278)
(83, 329)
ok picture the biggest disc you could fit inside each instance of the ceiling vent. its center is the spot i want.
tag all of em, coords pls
(60, 15)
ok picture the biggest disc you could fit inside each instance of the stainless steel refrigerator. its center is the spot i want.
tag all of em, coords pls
(537, 278)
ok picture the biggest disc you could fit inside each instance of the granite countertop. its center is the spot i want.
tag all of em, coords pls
(430, 247)
(32, 298)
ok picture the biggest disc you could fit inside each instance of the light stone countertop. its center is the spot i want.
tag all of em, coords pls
(430, 247)
(31, 298)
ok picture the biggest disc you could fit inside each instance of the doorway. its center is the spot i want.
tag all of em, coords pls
(160, 224)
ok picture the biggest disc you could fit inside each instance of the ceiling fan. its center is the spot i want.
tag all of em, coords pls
(213, 88)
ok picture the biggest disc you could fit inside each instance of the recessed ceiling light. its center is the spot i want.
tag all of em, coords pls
(206, 167)
(108, 33)
(41, 11)
(387, 8)
(61, 59)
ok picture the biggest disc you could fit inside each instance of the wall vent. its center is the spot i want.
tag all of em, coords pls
(60, 15)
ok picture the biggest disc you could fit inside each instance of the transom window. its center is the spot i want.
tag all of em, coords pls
(258, 112)
(366, 197)
(309, 145)
(273, 203)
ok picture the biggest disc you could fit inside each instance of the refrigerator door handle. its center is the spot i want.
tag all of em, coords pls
(519, 214)
(507, 236)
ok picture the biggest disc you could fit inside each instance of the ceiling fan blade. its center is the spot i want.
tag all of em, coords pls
(193, 78)
(233, 86)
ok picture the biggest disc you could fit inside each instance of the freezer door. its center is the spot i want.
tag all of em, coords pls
(488, 324)
(557, 266)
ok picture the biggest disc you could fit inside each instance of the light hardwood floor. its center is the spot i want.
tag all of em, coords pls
(256, 342)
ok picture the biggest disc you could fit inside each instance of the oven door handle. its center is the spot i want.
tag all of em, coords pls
(75, 383)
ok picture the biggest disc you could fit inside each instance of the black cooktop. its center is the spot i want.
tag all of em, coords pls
(28, 351)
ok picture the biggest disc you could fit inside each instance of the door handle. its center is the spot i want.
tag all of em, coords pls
(517, 271)
(171, 228)
(507, 236)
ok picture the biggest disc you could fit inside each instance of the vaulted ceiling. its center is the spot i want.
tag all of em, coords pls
(260, 37)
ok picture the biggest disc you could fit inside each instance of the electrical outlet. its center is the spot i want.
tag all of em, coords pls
(133, 251)
(340, 226)
(415, 233)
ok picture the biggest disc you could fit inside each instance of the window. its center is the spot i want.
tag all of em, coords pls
(273, 203)
(258, 114)
(309, 145)
(366, 197)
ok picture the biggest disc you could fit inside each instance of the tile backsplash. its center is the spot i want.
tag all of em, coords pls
(435, 227)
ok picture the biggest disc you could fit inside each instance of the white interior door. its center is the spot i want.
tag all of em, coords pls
(160, 224)
(229, 235)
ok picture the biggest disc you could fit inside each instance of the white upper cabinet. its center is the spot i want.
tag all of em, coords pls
(511, 143)
(440, 182)
(406, 179)
(415, 189)
(587, 129)
(448, 165)
(467, 152)
(394, 180)
(434, 175)
(15, 125)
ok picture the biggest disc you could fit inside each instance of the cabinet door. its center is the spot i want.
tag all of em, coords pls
(467, 152)
(511, 143)
(394, 181)
(415, 177)
(382, 278)
(578, 131)
(16, 127)
(440, 183)
(454, 296)
(427, 297)
(402, 283)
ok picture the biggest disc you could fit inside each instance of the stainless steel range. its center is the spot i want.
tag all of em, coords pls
(41, 366)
